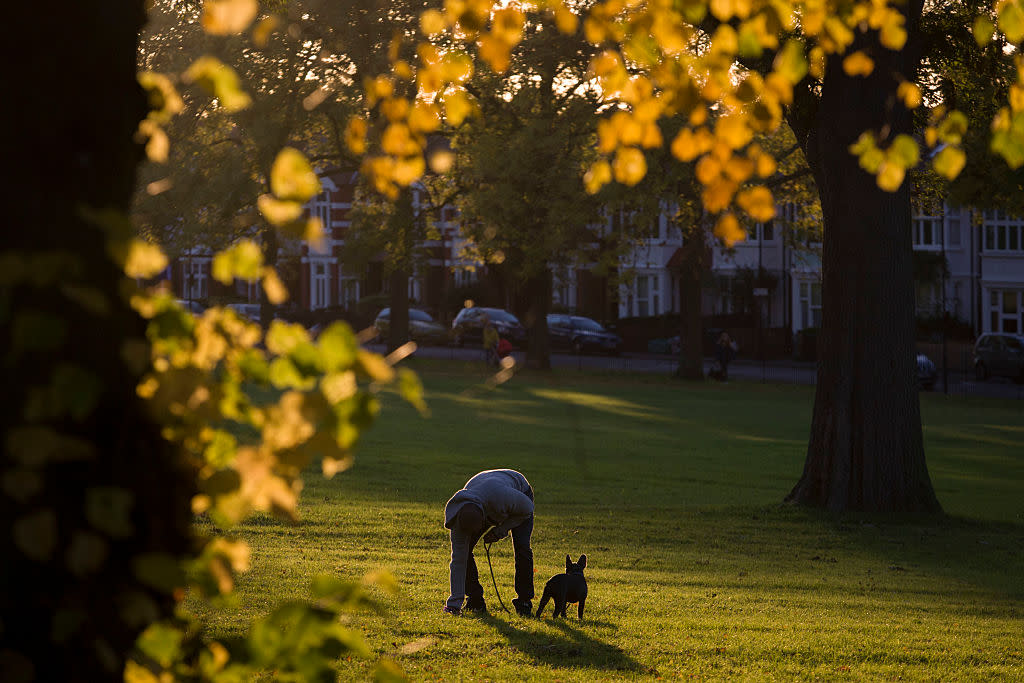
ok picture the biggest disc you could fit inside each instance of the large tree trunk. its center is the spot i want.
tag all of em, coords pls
(90, 485)
(537, 292)
(398, 327)
(691, 277)
(866, 451)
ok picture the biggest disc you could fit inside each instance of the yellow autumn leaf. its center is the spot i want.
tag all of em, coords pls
(278, 212)
(425, 117)
(432, 23)
(457, 106)
(890, 176)
(276, 292)
(949, 162)
(219, 80)
(728, 230)
(495, 51)
(765, 165)
(292, 178)
(144, 259)
(228, 17)
(708, 169)
(261, 33)
(565, 20)
(910, 94)
(758, 203)
(355, 135)
(733, 131)
(629, 166)
(718, 195)
(408, 170)
(599, 175)
(398, 141)
(858, 64)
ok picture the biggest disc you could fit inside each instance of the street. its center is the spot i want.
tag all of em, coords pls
(773, 371)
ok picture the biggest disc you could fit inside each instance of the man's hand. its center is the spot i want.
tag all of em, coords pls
(492, 536)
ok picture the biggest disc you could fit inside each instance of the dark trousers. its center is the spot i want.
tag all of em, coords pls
(523, 563)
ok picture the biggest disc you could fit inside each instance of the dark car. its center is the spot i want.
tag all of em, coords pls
(422, 328)
(468, 326)
(926, 374)
(999, 354)
(581, 334)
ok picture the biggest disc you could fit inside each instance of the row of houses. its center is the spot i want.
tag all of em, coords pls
(970, 267)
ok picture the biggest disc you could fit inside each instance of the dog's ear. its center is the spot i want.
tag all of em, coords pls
(568, 563)
(582, 562)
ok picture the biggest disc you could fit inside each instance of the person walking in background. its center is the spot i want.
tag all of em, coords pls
(502, 499)
(725, 351)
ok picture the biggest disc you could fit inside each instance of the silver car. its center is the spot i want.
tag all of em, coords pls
(999, 354)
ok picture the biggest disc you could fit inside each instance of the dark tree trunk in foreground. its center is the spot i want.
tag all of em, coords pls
(90, 488)
(866, 451)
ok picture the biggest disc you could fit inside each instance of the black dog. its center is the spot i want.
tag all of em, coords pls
(566, 588)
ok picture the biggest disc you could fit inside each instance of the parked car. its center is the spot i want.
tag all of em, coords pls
(193, 307)
(422, 328)
(999, 354)
(581, 334)
(926, 374)
(468, 326)
(250, 311)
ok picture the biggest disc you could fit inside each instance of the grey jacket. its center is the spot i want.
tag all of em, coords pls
(506, 498)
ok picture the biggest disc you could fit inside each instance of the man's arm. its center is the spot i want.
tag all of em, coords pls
(517, 508)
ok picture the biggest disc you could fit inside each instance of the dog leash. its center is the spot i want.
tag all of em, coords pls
(487, 549)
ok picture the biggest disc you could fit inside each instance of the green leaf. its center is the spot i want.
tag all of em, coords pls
(904, 151)
(338, 347)
(220, 81)
(1011, 21)
(952, 128)
(221, 449)
(949, 162)
(159, 570)
(283, 338)
(243, 260)
(791, 62)
(388, 671)
(109, 509)
(983, 30)
(161, 643)
(292, 178)
(411, 389)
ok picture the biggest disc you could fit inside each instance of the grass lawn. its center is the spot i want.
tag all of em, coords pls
(695, 569)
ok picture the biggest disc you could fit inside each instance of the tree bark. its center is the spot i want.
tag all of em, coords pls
(538, 305)
(91, 486)
(691, 275)
(398, 327)
(866, 451)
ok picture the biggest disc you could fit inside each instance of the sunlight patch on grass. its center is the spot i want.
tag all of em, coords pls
(608, 404)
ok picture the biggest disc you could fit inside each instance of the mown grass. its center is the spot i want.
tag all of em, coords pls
(696, 570)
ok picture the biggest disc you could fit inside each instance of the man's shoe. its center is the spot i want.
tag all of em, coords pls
(454, 611)
(476, 608)
(523, 607)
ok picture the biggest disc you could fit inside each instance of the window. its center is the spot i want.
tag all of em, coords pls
(1004, 234)
(927, 232)
(810, 304)
(348, 292)
(1005, 308)
(648, 295)
(762, 231)
(197, 279)
(319, 290)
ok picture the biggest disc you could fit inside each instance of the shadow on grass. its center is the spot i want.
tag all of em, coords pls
(572, 649)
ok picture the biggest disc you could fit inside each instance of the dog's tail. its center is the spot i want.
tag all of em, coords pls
(544, 599)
